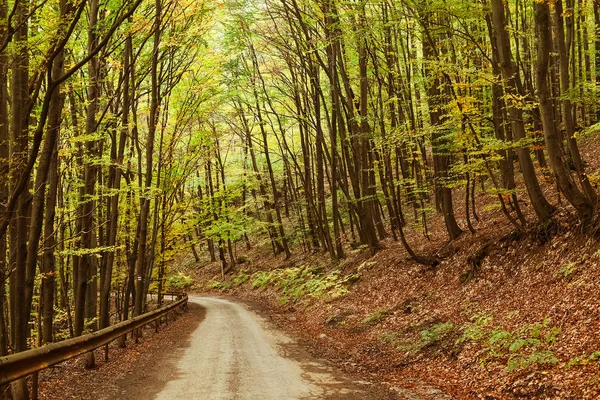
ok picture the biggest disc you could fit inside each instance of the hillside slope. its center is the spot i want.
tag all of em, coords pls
(523, 323)
(504, 315)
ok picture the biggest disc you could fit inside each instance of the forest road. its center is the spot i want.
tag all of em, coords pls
(235, 354)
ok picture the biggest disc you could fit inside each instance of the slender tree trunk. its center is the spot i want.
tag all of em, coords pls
(275, 192)
(441, 161)
(502, 130)
(85, 306)
(141, 264)
(567, 186)
(4, 172)
(19, 223)
(542, 208)
(114, 181)
(49, 242)
(277, 245)
(567, 110)
(597, 54)
(368, 203)
(332, 57)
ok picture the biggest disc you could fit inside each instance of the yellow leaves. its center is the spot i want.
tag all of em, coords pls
(467, 103)
(466, 85)
(567, 13)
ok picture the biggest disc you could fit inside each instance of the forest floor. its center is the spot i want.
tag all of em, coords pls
(139, 371)
(503, 316)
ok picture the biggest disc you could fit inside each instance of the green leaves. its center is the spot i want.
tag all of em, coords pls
(530, 344)
(299, 282)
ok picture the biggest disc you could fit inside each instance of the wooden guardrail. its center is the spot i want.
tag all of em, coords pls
(20, 365)
(173, 295)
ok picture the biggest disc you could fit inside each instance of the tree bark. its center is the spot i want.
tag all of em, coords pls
(566, 185)
(567, 110)
(18, 158)
(542, 208)
(4, 171)
(441, 161)
(144, 198)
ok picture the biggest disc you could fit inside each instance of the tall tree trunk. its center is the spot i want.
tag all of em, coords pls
(332, 57)
(567, 186)
(265, 145)
(277, 245)
(48, 266)
(441, 161)
(144, 199)
(85, 306)
(542, 208)
(365, 142)
(502, 131)
(114, 181)
(18, 157)
(597, 54)
(567, 110)
(49, 241)
(4, 172)
(46, 166)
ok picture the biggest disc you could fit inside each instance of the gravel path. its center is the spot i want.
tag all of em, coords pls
(234, 354)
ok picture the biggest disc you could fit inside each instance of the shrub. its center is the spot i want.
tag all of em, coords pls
(179, 281)
(240, 279)
(219, 285)
(438, 334)
(299, 282)
(261, 279)
(528, 345)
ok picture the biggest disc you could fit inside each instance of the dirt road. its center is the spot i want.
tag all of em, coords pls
(235, 354)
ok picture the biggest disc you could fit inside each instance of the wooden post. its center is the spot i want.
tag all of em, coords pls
(34, 386)
(123, 341)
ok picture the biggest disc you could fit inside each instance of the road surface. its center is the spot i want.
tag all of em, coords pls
(234, 354)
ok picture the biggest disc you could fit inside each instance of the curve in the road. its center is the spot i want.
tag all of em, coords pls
(235, 354)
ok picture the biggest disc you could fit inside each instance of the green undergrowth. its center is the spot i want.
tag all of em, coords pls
(238, 280)
(304, 281)
(426, 336)
(220, 285)
(517, 349)
(179, 281)
(295, 283)
(583, 359)
(520, 348)
(376, 317)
